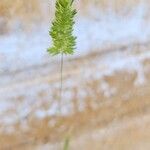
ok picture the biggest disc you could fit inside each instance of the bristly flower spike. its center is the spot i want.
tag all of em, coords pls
(62, 28)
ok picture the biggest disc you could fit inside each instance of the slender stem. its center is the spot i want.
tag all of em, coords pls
(61, 80)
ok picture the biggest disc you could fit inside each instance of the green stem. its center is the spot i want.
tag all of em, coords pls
(61, 80)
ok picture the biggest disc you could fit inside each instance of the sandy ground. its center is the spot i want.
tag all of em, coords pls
(127, 134)
(118, 126)
(117, 121)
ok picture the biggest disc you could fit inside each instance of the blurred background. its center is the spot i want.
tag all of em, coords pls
(106, 83)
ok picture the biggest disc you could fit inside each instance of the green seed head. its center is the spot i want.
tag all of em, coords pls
(62, 28)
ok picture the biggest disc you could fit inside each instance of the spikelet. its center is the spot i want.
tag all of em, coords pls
(62, 28)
